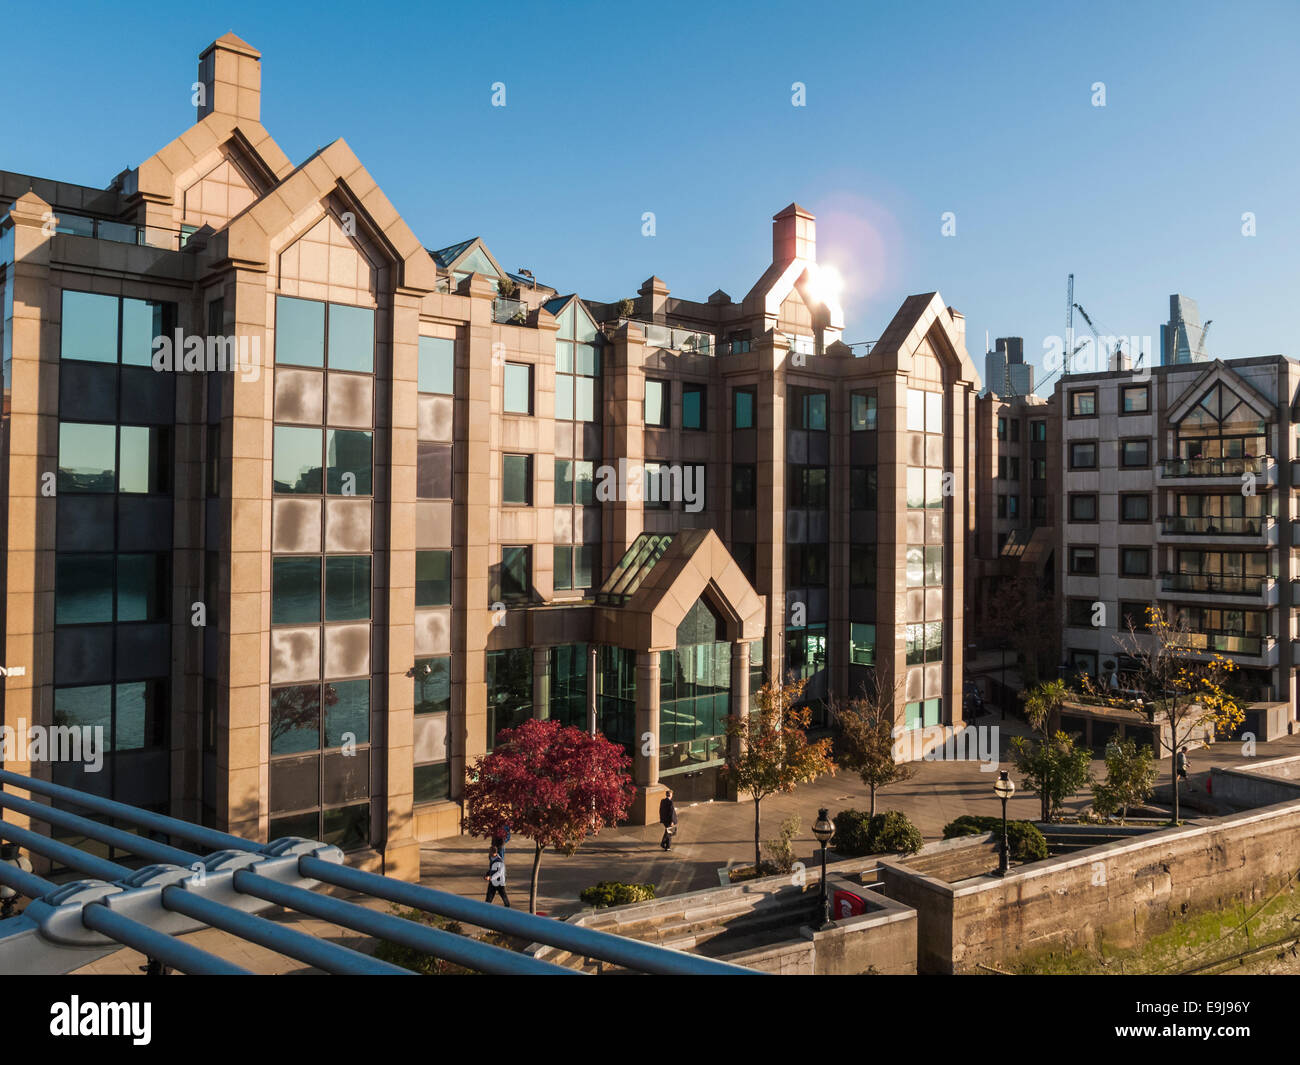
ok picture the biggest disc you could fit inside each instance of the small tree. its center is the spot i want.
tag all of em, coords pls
(1041, 702)
(775, 752)
(1130, 778)
(1053, 767)
(1186, 695)
(866, 743)
(551, 783)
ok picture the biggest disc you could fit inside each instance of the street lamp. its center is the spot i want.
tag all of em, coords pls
(10, 855)
(824, 830)
(1004, 787)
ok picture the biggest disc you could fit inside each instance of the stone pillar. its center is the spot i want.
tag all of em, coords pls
(739, 702)
(592, 688)
(645, 808)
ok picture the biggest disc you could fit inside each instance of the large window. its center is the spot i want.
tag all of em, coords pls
(130, 459)
(862, 411)
(924, 487)
(320, 762)
(862, 644)
(694, 694)
(924, 566)
(432, 578)
(810, 487)
(568, 669)
(99, 328)
(577, 365)
(862, 565)
(809, 565)
(1222, 426)
(657, 404)
(924, 643)
(516, 578)
(810, 409)
(744, 486)
(575, 566)
(694, 406)
(862, 487)
(575, 482)
(517, 480)
(509, 690)
(924, 411)
(297, 464)
(744, 404)
(310, 333)
(432, 749)
(518, 388)
(98, 588)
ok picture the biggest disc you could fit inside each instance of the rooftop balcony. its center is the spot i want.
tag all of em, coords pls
(1259, 531)
(1217, 471)
(509, 312)
(1219, 587)
(122, 232)
(687, 341)
(1247, 650)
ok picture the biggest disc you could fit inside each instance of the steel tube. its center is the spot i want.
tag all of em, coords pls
(152, 944)
(114, 837)
(90, 864)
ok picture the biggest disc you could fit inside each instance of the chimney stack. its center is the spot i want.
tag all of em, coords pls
(794, 235)
(230, 79)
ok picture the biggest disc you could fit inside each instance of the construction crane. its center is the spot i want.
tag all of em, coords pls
(1200, 344)
(1069, 326)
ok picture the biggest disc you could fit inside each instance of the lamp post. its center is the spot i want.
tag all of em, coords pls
(1004, 787)
(824, 830)
(10, 855)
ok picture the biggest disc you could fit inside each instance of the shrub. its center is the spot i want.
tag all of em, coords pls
(615, 893)
(781, 851)
(416, 960)
(892, 833)
(1025, 841)
(851, 832)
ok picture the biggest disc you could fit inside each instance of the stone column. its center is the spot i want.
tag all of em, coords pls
(541, 683)
(592, 688)
(739, 702)
(649, 791)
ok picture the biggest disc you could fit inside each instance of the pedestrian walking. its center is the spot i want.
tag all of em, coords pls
(496, 878)
(1182, 763)
(668, 818)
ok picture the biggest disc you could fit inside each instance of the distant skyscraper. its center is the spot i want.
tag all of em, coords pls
(1005, 369)
(1182, 337)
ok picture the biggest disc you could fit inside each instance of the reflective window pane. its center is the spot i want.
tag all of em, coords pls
(585, 477)
(432, 782)
(563, 481)
(347, 712)
(295, 591)
(299, 332)
(141, 587)
(87, 457)
(516, 573)
(144, 459)
(296, 465)
(140, 717)
(142, 322)
(351, 338)
(584, 399)
(517, 479)
(83, 589)
(295, 723)
(347, 587)
(89, 329)
(518, 388)
(437, 370)
(348, 455)
(347, 828)
(432, 685)
(433, 578)
(563, 568)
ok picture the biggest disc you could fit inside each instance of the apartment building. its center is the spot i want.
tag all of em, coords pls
(1177, 490)
(303, 512)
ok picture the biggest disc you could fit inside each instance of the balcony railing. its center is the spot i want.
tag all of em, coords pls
(509, 312)
(1212, 467)
(1212, 583)
(121, 232)
(1227, 643)
(689, 341)
(1213, 526)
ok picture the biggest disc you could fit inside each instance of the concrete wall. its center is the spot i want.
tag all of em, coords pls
(1274, 781)
(1116, 895)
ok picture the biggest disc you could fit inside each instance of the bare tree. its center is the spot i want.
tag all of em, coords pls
(867, 731)
(1029, 622)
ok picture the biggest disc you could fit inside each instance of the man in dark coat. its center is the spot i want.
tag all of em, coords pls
(496, 878)
(668, 818)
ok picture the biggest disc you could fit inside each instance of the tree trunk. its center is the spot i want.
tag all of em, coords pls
(758, 857)
(873, 800)
(1173, 757)
(532, 887)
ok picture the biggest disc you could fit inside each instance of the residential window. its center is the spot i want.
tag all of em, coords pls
(924, 488)
(436, 372)
(1015, 431)
(574, 567)
(519, 388)
(1083, 507)
(517, 480)
(924, 643)
(1135, 562)
(347, 587)
(1013, 468)
(432, 578)
(743, 404)
(432, 749)
(746, 556)
(922, 713)
(1038, 432)
(744, 487)
(1134, 507)
(1083, 456)
(862, 487)
(656, 404)
(131, 459)
(1079, 613)
(1135, 453)
(738, 341)
(1038, 469)
(809, 565)
(1135, 399)
(311, 333)
(924, 411)
(1083, 403)
(347, 461)
(1083, 560)
(694, 406)
(862, 411)
(862, 644)
(1135, 616)
(577, 364)
(98, 588)
(1002, 428)
(575, 482)
(811, 409)
(516, 580)
(1013, 506)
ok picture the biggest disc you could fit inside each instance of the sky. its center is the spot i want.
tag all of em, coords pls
(976, 119)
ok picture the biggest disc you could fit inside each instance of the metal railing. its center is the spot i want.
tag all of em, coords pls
(1220, 642)
(66, 926)
(508, 311)
(1212, 583)
(1213, 526)
(1212, 467)
(120, 232)
(688, 341)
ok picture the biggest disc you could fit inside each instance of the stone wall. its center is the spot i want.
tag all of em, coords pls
(1116, 895)
(1276, 780)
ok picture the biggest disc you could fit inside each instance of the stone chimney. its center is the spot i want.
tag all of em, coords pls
(230, 79)
(794, 235)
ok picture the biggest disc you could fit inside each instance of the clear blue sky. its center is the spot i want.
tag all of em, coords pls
(912, 111)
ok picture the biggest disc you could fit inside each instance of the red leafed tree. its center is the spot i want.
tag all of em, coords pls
(552, 783)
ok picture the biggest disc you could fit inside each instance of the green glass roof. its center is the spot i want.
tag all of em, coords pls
(633, 568)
